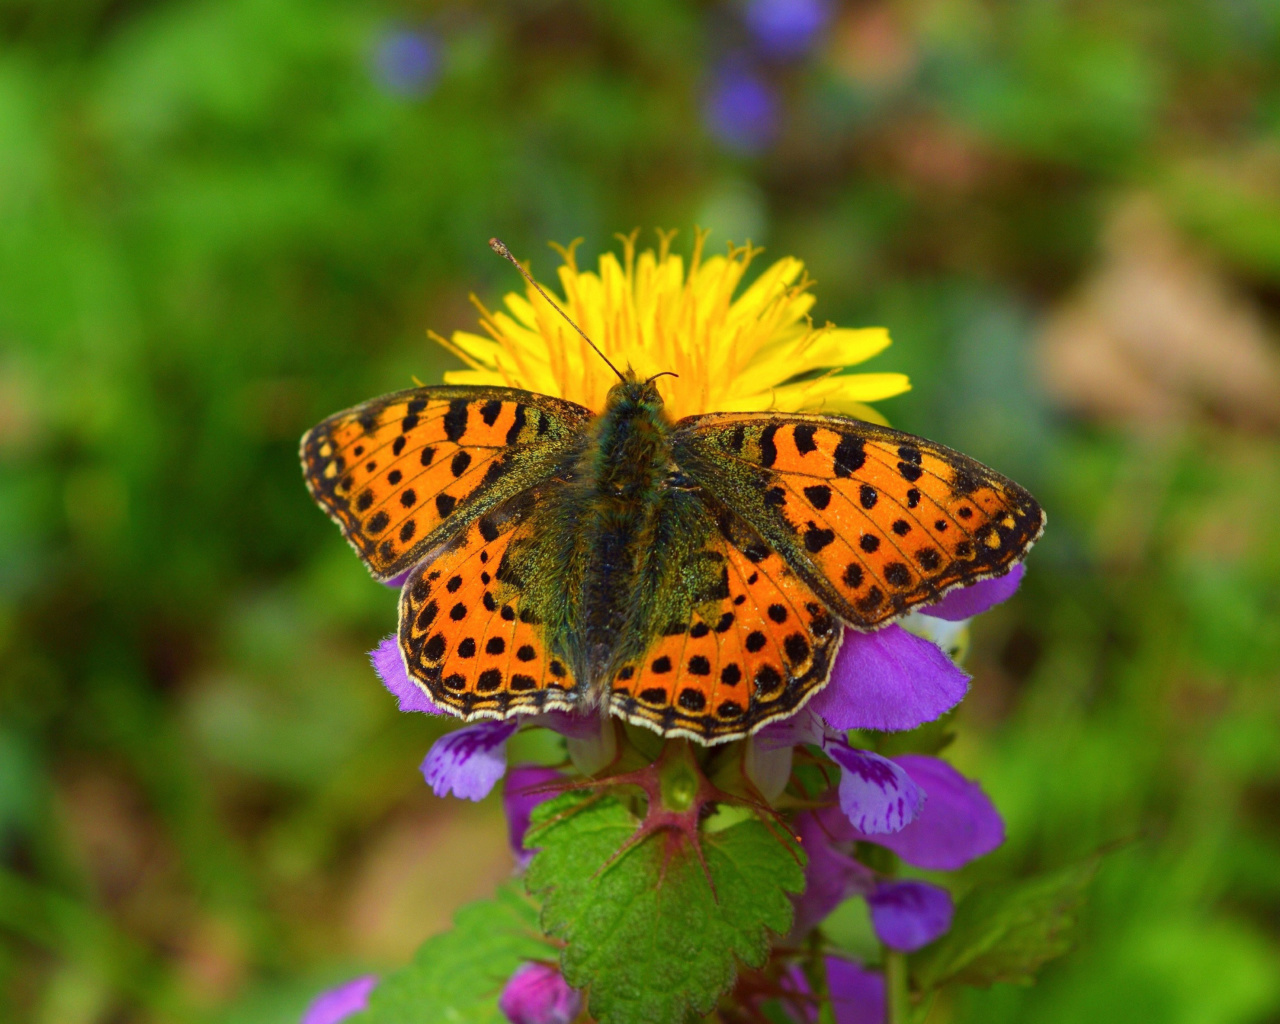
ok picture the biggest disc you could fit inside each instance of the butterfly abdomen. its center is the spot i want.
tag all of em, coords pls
(620, 481)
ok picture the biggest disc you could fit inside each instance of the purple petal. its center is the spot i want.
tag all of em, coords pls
(958, 824)
(396, 582)
(830, 876)
(875, 794)
(337, 1004)
(575, 726)
(907, 915)
(976, 598)
(469, 762)
(519, 800)
(889, 680)
(802, 727)
(538, 994)
(857, 994)
(389, 665)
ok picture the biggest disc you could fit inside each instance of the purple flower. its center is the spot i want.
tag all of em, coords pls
(957, 824)
(339, 1003)
(389, 664)
(909, 914)
(875, 794)
(831, 876)
(857, 994)
(522, 793)
(538, 994)
(406, 63)
(469, 761)
(889, 681)
(892, 680)
(786, 28)
(741, 110)
(966, 602)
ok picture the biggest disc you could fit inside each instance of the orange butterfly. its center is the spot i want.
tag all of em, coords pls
(694, 577)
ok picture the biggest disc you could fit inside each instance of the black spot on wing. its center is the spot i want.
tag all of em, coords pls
(513, 434)
(803, 435)
(849, 455)
(455, 420)
(768, 447)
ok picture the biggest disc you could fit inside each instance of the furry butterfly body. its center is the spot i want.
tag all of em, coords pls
(694, 577)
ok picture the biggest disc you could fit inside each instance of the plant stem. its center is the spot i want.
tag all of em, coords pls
(895, 980)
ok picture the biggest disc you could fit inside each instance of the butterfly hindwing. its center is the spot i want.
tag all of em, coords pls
(876, 520)
(467, 632)
(404, 472)
(750, 646)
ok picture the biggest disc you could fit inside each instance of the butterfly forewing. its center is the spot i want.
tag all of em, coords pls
(468, 633)
(754, 653)
(403, 473)
(878, 521)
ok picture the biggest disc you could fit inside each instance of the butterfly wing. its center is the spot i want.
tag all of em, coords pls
(467, 630)
(876, 521)
(733, 639)
(403, 473)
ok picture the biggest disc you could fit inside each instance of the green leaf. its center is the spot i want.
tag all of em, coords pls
(1005, 931)
(644, 932)
(458, 976)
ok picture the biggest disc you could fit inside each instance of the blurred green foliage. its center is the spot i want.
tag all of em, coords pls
(221, 220)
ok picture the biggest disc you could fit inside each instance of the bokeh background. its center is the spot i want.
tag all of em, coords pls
(221, 220)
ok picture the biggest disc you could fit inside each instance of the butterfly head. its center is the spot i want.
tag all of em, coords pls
(633, 393)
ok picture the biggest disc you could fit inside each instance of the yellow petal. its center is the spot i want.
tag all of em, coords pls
(831, 394)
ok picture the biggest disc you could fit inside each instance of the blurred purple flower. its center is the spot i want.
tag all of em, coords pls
(786, 28)
(538, 994)
(908, 914)
(857, 994)
(406, 62)
(741, 110)
(343, 1001)
(889, 680)
(521, 794)
(966, 602)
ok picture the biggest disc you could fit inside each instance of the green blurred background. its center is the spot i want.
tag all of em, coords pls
(221, 220)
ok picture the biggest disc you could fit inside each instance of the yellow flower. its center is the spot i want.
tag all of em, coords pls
(647, 313)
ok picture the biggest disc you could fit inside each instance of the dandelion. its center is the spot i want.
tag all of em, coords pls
(753, 351)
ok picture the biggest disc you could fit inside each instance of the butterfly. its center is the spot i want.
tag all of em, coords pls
(694, 577)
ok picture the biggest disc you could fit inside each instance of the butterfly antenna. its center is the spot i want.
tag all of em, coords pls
(497, 246)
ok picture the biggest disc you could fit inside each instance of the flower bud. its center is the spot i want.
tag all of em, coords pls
(538, 994)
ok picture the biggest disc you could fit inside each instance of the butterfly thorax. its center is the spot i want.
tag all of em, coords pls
(618, 489)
